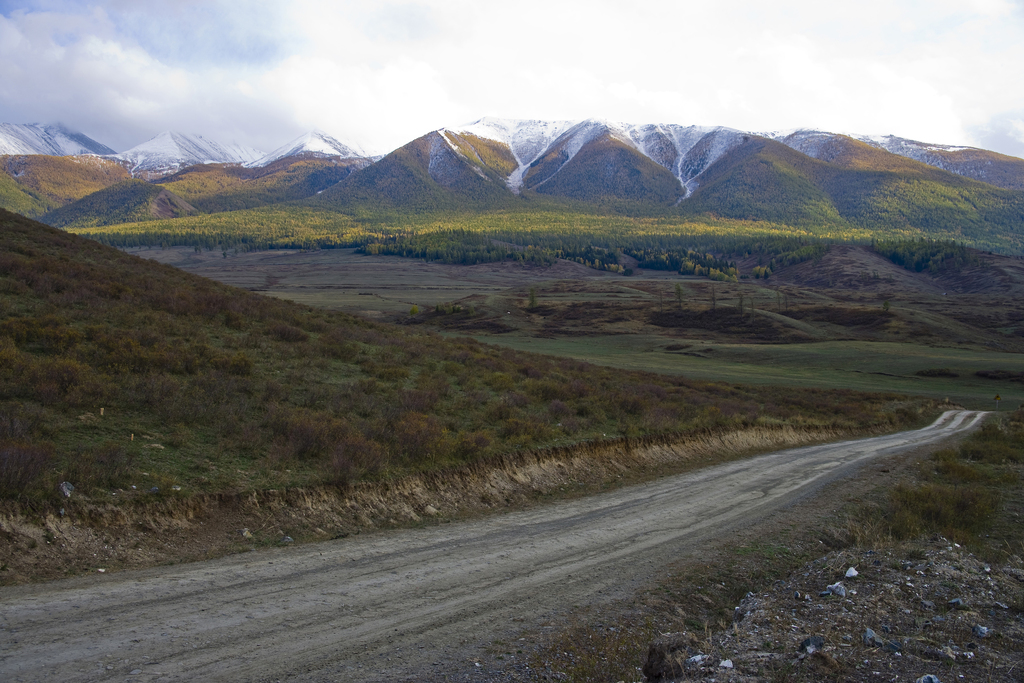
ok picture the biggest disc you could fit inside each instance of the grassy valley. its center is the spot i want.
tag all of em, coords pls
(850, 317)
(114, 365)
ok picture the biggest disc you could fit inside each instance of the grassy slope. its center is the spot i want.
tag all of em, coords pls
(213, 188)
(125, 202)
(605, 170)
(408, 180)
(227, 390)
(34, 184)
(861, 188)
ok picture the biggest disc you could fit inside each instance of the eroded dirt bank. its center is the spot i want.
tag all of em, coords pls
(389, 606)
(38, 545)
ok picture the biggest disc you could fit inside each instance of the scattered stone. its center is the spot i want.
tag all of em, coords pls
(928, 678)
(246, 533)
(980, 631)
(66, 488)
(851, 572)
(725, 664)
(287, 539)
(175, 488)
(872, 639)
(928, 604)
(956, 603)
(135, 672)
(697, 660)
(812, 645)
(155, 489)
(796, 595)
(101, 570)
(431, 511)
(837, 589)
(1002, 605)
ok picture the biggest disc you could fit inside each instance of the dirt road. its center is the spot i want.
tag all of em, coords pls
(389, 606)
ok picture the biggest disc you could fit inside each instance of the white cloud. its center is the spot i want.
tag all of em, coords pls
(385, 72)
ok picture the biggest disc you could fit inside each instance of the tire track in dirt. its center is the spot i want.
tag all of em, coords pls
(387, 606)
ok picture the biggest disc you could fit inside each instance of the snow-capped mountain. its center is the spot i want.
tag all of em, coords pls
(170, 151)
(312, 145)
(526, 139)
(912, 149)
(52, 140)
(685, 151)
(971, 162)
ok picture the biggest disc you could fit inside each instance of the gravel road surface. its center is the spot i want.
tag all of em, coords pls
(403, 605)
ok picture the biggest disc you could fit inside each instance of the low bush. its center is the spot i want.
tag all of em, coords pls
(107, 465)
(936, 372)
(22, 467)
(287, 333)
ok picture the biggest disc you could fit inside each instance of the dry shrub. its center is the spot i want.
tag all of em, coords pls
(287, 333)
(52, 379)
(108, 465)
(19, 422)
(336, 344)
(417, 401)
(558, 409)
(470, 445)
(525, 430)
(352, 457)
(234, 320)
(21, 466)
(418, 437)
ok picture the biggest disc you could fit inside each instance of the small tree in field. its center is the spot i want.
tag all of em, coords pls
(533, 297)
(679, 295)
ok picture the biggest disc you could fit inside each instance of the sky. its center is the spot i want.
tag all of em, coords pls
(380, 73)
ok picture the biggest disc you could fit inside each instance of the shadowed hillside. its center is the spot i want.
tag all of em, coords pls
(127, 201)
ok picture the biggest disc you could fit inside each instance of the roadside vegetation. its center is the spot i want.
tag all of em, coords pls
(971, 494)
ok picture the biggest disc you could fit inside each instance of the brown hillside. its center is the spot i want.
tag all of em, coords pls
(62, 179)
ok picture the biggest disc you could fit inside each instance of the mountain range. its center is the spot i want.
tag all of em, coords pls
(792, 177)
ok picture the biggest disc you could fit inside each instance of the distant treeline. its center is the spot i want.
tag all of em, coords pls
(934, 256)
(697, 254)
(595, 241)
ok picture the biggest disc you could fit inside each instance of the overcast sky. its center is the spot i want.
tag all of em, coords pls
(381, 73)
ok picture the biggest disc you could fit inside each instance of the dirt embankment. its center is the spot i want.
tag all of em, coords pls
(84, 536)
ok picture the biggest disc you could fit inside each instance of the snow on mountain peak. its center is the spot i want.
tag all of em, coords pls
(170, 151)
(52, 140)
(526, 139)
(686, 151)
(315, 143)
